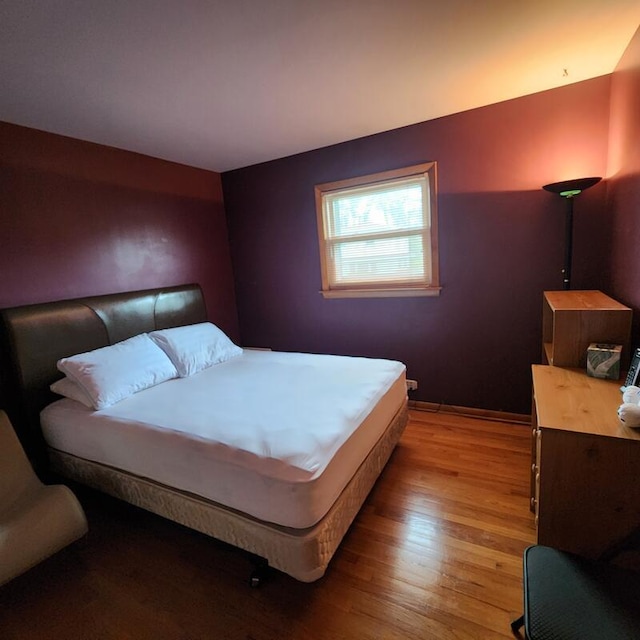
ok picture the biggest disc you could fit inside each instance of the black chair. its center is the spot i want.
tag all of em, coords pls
(569, 598)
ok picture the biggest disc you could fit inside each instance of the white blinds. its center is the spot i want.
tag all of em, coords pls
(378, 234)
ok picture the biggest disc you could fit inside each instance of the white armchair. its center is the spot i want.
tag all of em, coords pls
(36, 520)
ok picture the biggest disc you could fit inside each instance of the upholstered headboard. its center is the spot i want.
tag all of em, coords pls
(35, 337)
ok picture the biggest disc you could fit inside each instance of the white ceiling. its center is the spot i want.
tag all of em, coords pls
(222, 84)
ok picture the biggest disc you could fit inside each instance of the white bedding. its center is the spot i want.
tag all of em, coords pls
(274, 435)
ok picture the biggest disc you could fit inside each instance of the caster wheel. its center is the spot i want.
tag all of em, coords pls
(259, 575)
(256, 579)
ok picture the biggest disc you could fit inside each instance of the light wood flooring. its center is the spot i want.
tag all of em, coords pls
(435, 553)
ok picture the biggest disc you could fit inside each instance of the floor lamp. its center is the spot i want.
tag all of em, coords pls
(569, 189)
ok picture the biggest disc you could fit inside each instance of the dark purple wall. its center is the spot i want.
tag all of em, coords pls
(623, 194)
(501, 244)
(82, 219)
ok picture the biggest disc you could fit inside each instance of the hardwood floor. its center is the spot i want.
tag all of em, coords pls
(434, 554)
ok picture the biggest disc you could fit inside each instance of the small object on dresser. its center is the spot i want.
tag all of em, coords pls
(629, 410)
(633, 375)
(603, 360)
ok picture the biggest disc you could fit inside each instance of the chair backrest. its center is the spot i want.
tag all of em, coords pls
(15, 469)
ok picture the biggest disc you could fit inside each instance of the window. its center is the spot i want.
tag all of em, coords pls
(378, 234)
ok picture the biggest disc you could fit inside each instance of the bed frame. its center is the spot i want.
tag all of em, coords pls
(35, 337)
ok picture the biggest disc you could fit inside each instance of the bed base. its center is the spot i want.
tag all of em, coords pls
(301, 553)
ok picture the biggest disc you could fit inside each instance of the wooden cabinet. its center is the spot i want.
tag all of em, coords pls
(586, 464)
(571, 320)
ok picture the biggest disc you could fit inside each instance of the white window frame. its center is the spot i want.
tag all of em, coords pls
(430, 284)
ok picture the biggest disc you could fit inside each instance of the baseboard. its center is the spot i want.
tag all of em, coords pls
(483, 414)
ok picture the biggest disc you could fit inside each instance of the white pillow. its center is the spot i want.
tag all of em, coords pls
(69, 389)
(195, 347)
(111, 374)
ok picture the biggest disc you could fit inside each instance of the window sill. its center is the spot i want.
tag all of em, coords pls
(382, 293)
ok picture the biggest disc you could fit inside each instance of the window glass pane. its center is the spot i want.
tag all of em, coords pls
(382, 209)
(388, 259)
(378, 233)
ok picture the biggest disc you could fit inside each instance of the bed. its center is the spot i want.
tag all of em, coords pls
(273, 475)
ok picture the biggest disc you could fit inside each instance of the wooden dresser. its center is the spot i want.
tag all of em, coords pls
(586, 464)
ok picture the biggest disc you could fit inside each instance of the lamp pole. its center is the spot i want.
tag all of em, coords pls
(569, 189)
(568, 243)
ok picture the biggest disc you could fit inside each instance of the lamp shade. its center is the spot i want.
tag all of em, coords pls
(570, 188)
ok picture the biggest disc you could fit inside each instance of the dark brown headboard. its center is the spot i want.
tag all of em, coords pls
(35, 337)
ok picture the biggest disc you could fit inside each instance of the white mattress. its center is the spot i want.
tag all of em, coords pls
(274, 435)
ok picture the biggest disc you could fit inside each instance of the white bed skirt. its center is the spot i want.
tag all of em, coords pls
(302, 553)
